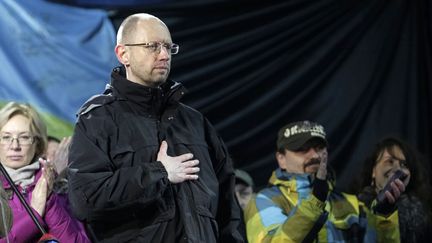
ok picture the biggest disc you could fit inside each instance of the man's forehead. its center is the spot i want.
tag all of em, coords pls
(152, 31)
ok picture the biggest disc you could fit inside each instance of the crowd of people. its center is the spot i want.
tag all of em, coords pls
(143, 167)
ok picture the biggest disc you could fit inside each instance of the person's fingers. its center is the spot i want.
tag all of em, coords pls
(390, 197)
(185, 157)
(400, 184)
(192, 170)
(45, 174)
(322, 169)
(64, 144)
(163, 149)
(47, 179)
(46, 163)
(63, 148)
(191, 177)
(66, 140)
(49, 171)
(191, 163)
(46, 167)
(50, 166)
(395, 190)
(60, 160)
(43, 179)
(42, 161)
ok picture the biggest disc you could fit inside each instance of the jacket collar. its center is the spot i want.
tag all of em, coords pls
(169, 91)
(295, 182)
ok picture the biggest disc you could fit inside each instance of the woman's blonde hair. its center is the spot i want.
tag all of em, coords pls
(37, 125)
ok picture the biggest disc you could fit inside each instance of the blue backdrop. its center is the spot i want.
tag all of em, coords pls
(54, 57)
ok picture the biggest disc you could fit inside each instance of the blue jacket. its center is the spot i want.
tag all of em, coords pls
(287, 211)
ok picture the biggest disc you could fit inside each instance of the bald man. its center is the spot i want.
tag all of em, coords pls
(143, 166)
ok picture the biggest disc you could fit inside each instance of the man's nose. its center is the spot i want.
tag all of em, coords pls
(313, 153)
(164, 51)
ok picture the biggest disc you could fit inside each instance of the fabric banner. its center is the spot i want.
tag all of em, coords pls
(363, 69)
(54, 57)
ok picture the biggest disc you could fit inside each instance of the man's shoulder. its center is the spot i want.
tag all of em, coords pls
(189, 108)
(190, 111)
(95, 102)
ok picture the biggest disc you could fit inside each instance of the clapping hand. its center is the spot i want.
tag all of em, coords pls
(322, 169)
(43, 187)
(60, 159)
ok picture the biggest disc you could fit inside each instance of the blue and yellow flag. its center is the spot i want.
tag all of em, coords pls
(54, 57)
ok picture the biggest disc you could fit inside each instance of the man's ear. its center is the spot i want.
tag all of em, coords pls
(281, 160)
(122, 54)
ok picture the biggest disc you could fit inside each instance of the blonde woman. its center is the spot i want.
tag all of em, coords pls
(23, 139)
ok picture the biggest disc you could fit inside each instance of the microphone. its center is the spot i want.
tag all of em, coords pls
(397, 175)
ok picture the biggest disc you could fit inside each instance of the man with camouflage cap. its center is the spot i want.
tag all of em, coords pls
(300, 203)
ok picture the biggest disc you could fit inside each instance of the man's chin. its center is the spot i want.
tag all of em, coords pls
(160, 79)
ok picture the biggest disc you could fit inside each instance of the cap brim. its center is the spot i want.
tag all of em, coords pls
(296, 144)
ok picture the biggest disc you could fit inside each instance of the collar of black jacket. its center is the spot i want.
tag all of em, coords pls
(170, 91)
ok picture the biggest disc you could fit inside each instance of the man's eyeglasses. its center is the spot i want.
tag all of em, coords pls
(155, 47)
(22, 139)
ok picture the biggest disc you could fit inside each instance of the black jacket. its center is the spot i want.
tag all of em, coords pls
(119, 189)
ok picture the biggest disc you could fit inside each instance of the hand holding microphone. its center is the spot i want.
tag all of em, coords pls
(393, 189)
(388, 196)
